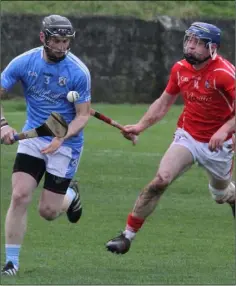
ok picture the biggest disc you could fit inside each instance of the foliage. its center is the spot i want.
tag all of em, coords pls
(146, 10)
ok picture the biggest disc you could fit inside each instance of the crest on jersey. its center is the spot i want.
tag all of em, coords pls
(207, 84)
(62, 81)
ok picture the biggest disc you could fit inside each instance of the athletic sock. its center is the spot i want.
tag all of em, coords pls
(12, 254)
(132, 226)
(70, 193)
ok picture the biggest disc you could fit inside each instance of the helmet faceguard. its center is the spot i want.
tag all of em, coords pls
(201, 34)
(56, 26)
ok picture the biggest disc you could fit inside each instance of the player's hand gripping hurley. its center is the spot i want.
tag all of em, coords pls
(54, 126)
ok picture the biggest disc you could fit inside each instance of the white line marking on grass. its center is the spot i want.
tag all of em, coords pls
(121, 153)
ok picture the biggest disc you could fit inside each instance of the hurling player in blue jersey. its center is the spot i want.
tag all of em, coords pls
(47, 74)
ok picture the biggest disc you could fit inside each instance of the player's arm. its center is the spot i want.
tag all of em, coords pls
(3, 119)
(9, 77)
(229, 87)
(225, 81)
(218, 139)
(7, 132)
(229, 126)
(157, 110)
(82, 85)
(80, 120)
(76, 125)
(82, 104)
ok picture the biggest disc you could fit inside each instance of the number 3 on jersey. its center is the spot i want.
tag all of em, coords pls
(46, 79)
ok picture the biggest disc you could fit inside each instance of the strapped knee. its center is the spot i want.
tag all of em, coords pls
(223, 195)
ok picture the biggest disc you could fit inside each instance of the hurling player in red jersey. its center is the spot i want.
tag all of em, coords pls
(206, 81)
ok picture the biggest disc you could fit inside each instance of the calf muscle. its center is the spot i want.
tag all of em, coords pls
(147, 201)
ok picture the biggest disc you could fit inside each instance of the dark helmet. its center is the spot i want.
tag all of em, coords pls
(56, 26)
(209, 33)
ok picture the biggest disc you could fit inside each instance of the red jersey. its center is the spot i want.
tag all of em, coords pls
(209, 96)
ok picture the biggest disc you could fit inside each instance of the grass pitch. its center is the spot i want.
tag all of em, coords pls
(189, 239)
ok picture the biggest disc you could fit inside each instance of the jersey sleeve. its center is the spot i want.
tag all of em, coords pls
(12, 73)
(172, 85)
(83, 87)
(225, 81)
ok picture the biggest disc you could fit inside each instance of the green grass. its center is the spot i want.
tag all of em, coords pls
(146, 10)
(188, 240)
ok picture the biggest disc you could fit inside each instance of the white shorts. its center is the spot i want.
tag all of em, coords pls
(63, 162)
(218, 163)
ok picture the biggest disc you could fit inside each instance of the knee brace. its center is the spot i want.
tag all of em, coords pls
(226, 195)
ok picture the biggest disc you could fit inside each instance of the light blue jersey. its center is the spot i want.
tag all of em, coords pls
(46, 86)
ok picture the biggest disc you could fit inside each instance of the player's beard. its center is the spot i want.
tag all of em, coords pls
(51, 54)
(194, 59)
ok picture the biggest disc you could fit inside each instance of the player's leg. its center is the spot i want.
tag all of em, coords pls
(219, 166)
(222, 191)
(53, 196)
(60, 194)
(58, 198)
(175, 161)
(27, 172)
(224, 194)
(72, 202)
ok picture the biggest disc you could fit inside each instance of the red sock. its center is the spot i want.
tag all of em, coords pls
(134, 223)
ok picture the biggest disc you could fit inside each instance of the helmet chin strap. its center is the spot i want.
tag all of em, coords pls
(194, 61)
(53, 58)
